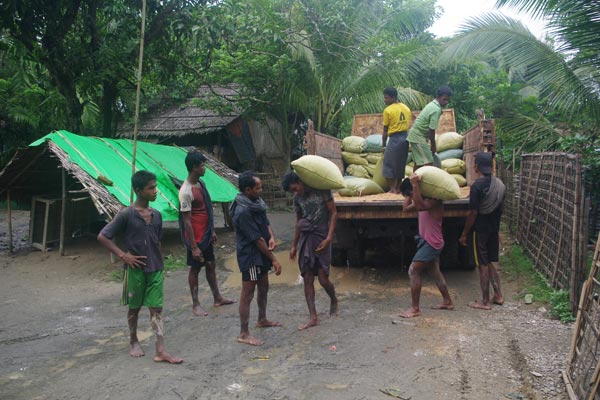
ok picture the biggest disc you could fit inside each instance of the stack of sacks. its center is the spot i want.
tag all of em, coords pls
(355, 157)
(450, 152)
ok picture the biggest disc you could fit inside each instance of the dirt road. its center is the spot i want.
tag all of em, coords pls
(63, 336)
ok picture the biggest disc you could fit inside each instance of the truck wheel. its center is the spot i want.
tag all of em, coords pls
(338, 257)
(356, 256)
(449, 257)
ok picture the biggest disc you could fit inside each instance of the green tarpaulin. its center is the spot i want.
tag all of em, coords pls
(112, 159)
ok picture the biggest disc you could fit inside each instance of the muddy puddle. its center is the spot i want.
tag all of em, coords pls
(365, 280)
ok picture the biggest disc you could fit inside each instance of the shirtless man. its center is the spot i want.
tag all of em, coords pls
(255, 243)
(141, 228)
(429, 245)
(197, 223)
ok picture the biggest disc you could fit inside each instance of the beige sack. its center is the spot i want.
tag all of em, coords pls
(358, 171)
(437, 183)
(378, 177)
(448, 140)
(318, 172)
(454, 166)
(461, 180)
(353, 144)
(353, 158)
(359, 187)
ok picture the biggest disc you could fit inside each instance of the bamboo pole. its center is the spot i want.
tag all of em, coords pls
(137, 93)
(63, 212)
(574, 236)
(569, 386)
(562, 225)
(10, 231)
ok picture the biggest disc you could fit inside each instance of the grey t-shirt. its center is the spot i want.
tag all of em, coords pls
(139, 238)
(313, 206)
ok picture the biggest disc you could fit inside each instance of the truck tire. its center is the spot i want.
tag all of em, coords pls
(338, 257)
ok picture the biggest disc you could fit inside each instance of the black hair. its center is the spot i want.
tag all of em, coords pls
(406, 187)
(391, 91)
(193, 159)
(289, 179)
(444, 90)
(140, 179)
(247, 180)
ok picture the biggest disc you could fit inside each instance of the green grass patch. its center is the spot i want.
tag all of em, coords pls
(519, 268)
(14, 205)
(116, 275)
(174, 263)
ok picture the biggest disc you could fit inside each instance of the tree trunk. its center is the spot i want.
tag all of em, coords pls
(109, 98)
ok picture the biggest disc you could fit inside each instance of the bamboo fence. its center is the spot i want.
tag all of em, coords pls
(582, 376)
(546, 208)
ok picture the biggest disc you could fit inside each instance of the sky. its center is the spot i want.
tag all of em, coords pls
(456, 12)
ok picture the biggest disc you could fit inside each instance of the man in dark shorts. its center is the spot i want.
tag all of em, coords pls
(430, 243)
(396, 117)
(141, 228)
(315, 224)
(482, 227)
(255, 243)
(198, 231)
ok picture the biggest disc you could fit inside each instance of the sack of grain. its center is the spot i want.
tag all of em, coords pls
(373, 143)
(370, 169)
(358, 171)
(454, 166)
(318, 172)
(359, 187)
(448, 140)
(451, 153)
(353, 144)
(437, 183)
(353, 158)
(378, 177)
(373, 158)
(461, 180)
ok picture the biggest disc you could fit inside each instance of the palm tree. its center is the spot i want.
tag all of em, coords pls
(565, 68)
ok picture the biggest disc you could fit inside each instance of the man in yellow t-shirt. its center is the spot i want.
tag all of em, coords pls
(396, 117)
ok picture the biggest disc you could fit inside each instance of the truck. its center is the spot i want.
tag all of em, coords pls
(378, 222)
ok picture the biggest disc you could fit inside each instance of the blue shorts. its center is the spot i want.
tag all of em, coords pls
(426, 253)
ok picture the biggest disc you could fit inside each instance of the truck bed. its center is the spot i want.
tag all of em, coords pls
(389, 206)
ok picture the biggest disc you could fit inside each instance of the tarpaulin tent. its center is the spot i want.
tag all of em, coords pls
(109, 162)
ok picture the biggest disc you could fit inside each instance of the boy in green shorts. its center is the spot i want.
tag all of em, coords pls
(423, 130)
(141, 229)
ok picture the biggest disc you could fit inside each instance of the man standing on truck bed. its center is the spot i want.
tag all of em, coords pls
(482, 227)
(424, 128)
(430, 243)
(395, 124)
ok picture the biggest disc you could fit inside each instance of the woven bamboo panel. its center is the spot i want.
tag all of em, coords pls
(369, 124)
(583, 368)
(550, 218)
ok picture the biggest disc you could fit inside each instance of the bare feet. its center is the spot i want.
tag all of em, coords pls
(166, 357)
(443, 306)
(410, 313)
(251, 340)
(479, 305)
(136, 350)
(198, 311)
(265, 323)
(333, 309)
(311, 322)
(498, 300)
(223, 302)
